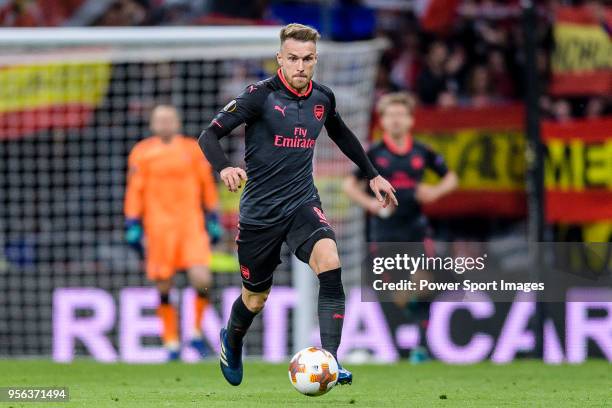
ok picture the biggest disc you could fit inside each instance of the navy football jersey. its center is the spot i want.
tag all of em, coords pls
(404, 169)
(282, 128)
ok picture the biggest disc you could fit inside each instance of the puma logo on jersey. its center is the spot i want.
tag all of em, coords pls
(281, 110)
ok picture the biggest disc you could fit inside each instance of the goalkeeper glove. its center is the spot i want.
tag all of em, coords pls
(214, 228)
(134, 233)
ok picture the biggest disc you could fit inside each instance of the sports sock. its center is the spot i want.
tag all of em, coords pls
(200, 305)
(425, 307)
(239, 322)
(167, 314)
(331, 309)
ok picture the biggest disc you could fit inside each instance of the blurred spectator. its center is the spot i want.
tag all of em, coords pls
(433, 79)
(383, 84)
(447, 99)
(562, 111)
(21, 13)
(124, 13)
(546, 105)
(595, 108)
(408, 64)
(500, 76)
(253, 9)
(480, 87)
(33, 13)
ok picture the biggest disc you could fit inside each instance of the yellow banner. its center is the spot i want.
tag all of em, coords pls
(575, 165)
(581, 47)
(483, 160)
(495, 161)
(36, 86)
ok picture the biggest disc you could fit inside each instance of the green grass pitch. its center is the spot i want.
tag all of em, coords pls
(521, 384)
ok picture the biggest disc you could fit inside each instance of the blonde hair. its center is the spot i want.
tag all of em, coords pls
(299, 32)
(401, 98)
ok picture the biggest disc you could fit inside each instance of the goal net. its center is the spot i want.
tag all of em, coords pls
(73, 102)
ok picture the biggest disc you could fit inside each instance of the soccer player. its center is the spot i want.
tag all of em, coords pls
(284, 115)
(169, 183)
(403, 161)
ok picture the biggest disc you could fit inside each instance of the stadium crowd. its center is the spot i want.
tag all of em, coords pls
(476, 60)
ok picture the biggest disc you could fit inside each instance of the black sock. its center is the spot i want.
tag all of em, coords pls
(164, 298)
(424, 322)
(202, 293)
(239, 322)
(331, 309)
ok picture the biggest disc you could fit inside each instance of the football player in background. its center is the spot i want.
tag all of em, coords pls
(403, 161)
(170, 186)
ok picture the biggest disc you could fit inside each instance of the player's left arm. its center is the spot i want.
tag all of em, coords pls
(426, 193)
(350, 146)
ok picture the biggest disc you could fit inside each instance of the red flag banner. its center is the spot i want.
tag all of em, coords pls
(50, 94)
(578, 171)
(486, 148)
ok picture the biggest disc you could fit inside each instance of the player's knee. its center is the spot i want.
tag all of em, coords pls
(255, 301)
(326, 262)
(199, 277)
(163, 286)
(324, 256)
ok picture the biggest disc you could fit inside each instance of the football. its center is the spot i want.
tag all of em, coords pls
(313, 371)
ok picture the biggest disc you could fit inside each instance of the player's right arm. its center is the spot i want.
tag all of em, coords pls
(355, 188)
(246, 107)
(210, 198)
(134, 198)
(348, 143)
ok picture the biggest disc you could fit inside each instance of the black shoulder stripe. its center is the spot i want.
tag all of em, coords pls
(256, 93)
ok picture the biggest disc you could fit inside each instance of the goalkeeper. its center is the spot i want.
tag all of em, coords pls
(169, 184)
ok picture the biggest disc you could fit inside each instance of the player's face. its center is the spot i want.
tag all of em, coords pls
(165, 122)
(396, 119)
(297, 60)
